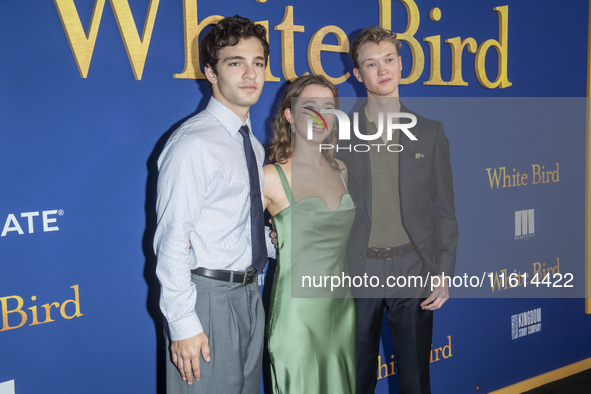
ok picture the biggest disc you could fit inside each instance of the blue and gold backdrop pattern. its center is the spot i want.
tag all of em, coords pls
(91, 89)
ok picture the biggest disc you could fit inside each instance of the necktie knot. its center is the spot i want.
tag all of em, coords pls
(244, 132)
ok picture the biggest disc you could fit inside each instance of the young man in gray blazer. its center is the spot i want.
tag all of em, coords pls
(405, 221)
(210, 238)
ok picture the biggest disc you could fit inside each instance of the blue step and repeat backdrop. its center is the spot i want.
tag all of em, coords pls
(91, 89)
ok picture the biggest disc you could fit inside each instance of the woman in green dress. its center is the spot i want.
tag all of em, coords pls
(311, 330)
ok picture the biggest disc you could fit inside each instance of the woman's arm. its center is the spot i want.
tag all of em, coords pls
(274, 196)
(271, 176)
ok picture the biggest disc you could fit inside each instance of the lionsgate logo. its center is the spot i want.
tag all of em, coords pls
(524, 224)
(344, 130)
(526, 323)
(31, 221)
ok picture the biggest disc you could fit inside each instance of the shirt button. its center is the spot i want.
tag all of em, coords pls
(360, 257)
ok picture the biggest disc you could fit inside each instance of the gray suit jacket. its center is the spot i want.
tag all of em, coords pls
(426, 196)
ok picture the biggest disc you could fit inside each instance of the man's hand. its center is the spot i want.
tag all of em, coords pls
(273, 236)
(185, 355)
(438, 297)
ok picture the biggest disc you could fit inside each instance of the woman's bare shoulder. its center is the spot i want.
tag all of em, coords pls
(343, 170)
(342, 165)
(271, 174)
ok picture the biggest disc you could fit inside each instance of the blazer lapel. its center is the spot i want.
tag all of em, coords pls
(363, 163)
(404, 161)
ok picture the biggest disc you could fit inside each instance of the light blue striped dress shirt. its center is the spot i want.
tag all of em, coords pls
(203, 208)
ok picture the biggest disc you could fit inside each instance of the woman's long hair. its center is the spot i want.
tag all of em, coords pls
(281, 145)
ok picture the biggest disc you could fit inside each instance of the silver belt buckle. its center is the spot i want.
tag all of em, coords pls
(245, 279)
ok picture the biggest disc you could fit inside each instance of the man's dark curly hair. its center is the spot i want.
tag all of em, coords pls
(227, 33)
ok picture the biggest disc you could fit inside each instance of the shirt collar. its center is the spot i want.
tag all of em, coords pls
(226, 117)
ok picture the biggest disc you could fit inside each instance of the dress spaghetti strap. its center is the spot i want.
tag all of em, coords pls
(341, 176)
(285, 184)
(343, 180)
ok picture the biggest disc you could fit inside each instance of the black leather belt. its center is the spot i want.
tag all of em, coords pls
(389, 253)
(228, 276)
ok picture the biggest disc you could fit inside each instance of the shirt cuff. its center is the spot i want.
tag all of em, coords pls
(271, 251)
(186, 328)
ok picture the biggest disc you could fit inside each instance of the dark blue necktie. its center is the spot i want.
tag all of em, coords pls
(257, 220)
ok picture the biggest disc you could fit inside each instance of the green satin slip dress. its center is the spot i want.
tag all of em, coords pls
(311, 340)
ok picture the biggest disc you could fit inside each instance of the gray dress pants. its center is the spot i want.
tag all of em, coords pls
(233, 320)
